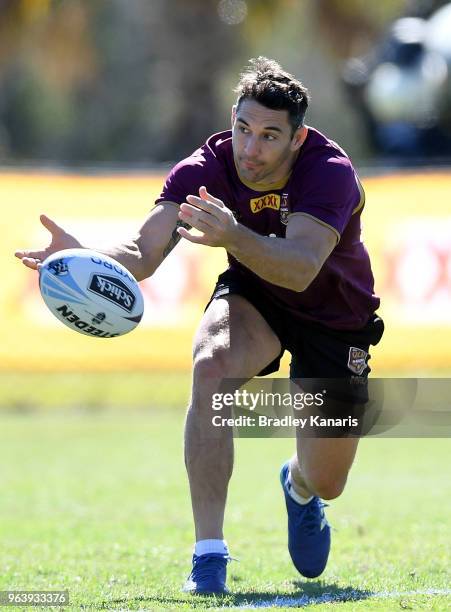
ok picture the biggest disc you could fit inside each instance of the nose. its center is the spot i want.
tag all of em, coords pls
(251, 148)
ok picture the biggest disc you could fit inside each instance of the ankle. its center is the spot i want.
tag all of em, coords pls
(300, 494)
(209, 546)
(297, 481)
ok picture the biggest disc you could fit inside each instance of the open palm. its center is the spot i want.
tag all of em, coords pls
(60, 240)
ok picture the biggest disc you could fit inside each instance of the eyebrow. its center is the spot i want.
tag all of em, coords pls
(268, 127)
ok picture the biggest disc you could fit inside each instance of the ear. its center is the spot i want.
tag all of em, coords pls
(299, 138)
(233, 114)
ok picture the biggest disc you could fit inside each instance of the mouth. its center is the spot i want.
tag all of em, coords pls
(250, 165)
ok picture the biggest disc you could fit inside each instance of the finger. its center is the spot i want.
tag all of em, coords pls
(192, 215)
(49, 224)
(40, 255)
(199, 224)
(184, 233)
(207, 196)
(209, 207)
(31, 263)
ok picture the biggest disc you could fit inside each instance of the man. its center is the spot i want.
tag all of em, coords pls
(285, 203)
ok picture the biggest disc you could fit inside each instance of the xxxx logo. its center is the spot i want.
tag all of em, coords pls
(271, 200)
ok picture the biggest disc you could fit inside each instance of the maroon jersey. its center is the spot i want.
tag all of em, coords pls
(322, 185)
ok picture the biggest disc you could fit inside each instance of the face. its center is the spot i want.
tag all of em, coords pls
(264, 147)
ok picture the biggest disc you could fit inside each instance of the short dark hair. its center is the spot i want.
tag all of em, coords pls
(265, 81)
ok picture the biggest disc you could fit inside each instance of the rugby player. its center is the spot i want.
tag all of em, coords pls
(285, 202)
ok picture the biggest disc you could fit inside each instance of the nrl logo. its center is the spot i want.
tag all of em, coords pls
(112, 289)
(357, 360)
(58, 267)
(271, 200)
(98, 318)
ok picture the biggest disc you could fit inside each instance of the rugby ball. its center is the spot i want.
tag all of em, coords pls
(91, 293)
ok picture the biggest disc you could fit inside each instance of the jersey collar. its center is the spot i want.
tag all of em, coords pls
(261, 186)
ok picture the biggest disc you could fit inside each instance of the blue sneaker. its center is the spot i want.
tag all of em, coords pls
(208, 576)
(308, 532)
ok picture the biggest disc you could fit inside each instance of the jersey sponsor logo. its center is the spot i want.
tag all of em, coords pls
(357, 360)
(116, 267)
(270, 200)
(112, 289)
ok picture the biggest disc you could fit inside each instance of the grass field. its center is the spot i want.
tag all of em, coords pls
(97, 502)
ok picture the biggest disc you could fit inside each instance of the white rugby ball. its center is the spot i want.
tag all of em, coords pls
(91, 293)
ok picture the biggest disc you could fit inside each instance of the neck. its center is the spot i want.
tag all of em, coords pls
(264, 185)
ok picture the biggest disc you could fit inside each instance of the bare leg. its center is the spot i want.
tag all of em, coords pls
(321, 466)
(233, 341)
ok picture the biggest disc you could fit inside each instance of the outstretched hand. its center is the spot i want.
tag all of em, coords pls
(60, 239)
(211, 217)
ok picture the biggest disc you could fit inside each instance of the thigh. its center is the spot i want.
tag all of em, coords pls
(338, 363)
(234, 335)
(334, 364)
(320, 352)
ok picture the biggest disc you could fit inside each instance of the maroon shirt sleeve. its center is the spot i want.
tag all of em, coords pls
(185, 178)
(328, 192)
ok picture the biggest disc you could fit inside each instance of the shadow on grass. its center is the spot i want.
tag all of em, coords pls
(305, 594)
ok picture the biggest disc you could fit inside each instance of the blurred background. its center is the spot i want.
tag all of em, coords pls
(98, 99)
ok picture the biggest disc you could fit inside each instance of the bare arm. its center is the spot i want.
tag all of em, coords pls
(155, 240)
(291, 262)
(142, 255)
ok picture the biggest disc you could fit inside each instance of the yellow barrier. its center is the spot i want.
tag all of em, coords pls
(407, 228)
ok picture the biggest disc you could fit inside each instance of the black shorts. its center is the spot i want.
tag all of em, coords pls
(318, 352)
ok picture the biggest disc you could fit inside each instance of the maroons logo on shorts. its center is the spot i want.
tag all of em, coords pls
(112, 289)
(357, 359)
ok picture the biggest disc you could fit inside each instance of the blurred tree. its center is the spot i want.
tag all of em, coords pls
(352, 26)
(147, 81)
(206, 47)
(50, 56)
(111, 81)
(14, 16)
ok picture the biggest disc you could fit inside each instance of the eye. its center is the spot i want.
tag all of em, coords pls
(270, 137)
(243, 129)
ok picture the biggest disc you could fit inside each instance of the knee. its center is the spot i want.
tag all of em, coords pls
(209, 372)
(211, 367)
(327, 486)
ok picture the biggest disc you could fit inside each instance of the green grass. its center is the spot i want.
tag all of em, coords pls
(97, 503)
(25, 392)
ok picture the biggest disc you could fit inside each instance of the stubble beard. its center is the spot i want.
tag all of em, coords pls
(264, 172)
